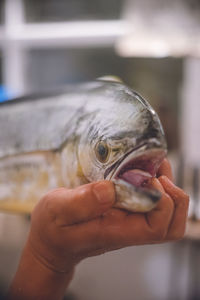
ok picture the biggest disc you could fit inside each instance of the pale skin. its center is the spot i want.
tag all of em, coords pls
(70, 225)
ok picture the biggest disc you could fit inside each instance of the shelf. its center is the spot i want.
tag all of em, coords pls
(71, 10)
(67, 34)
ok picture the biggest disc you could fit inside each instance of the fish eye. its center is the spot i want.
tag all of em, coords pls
(102, 151)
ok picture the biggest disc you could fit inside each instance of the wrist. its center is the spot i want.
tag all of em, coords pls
(35, 280)
(50, 255)
(48, 265)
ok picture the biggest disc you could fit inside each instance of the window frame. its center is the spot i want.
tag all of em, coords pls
(17, 37)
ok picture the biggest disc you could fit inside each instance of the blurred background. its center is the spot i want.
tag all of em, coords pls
(154, 47)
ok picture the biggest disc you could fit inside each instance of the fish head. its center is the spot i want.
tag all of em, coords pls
(124, 142)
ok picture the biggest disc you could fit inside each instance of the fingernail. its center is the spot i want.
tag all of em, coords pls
(164, 178)
(104, 191)
(157, 185)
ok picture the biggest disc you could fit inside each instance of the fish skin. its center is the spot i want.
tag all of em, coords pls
(50, 141)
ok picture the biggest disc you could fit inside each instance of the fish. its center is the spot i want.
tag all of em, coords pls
(92, 131)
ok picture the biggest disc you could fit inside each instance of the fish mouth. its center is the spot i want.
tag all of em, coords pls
(138, 167)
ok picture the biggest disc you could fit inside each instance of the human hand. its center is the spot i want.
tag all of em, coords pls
(70, 225)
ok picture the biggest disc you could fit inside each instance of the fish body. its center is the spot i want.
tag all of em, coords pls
(89, 132)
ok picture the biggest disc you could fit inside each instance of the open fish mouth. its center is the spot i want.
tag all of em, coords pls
(139, 169)
(134, 174)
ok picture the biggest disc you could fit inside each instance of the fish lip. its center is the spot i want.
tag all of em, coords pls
(143, 149)
(151, 192)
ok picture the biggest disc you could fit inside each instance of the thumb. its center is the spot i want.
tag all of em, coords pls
(83, 203)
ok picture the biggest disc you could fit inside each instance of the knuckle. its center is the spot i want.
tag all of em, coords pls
(49, 203)
(159, 234)
(184, 202)
(50, 196)
(48, 200)
(170, 203)
(176, 236)
(40, 206)
(84, 192)
(168, 206)
(187, 198)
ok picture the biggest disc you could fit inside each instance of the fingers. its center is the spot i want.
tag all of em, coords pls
(159, 219)
(116, 229)
(105, 233)
(155, 183)
(133, 229)
(165, 169)
(81, 204)
(181, 200)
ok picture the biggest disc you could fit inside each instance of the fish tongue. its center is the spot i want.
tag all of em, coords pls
(136, 177)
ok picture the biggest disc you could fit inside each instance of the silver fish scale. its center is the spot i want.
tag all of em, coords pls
(73, 122)
(45, 123)
(36, 125)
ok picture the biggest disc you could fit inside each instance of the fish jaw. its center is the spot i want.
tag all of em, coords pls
(133, 199)
(132, 177)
